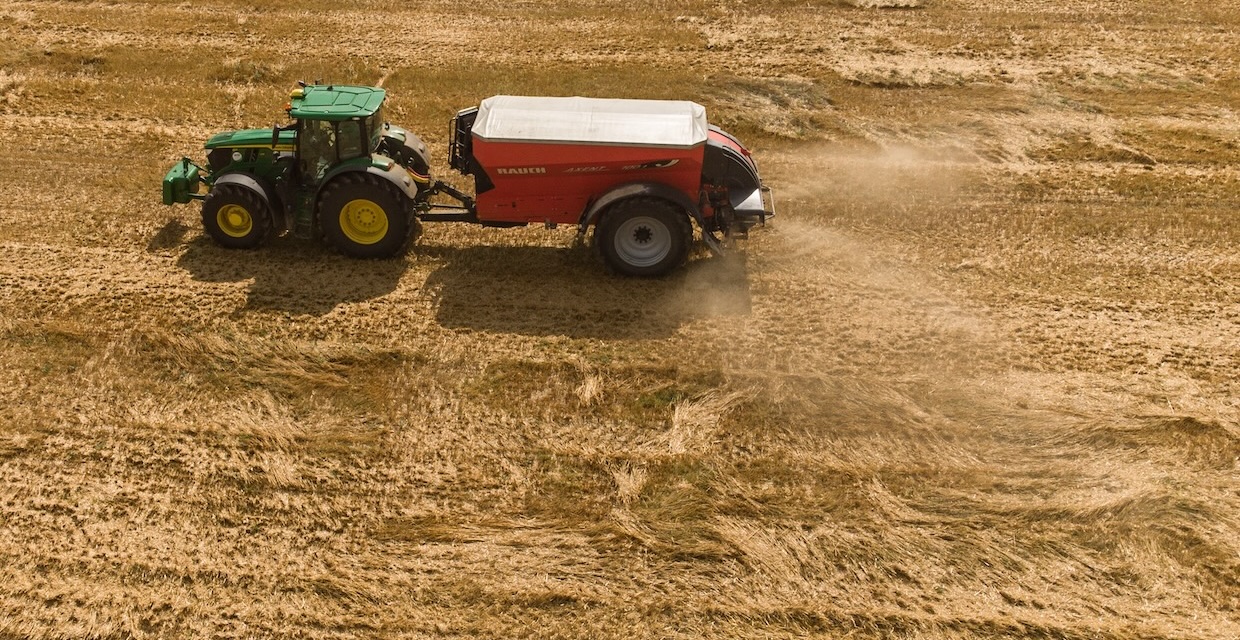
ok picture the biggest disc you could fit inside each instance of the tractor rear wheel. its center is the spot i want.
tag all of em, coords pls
(364, 216)
(236, 217)
(643, 237)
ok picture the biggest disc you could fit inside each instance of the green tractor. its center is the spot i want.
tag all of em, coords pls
(338, 171)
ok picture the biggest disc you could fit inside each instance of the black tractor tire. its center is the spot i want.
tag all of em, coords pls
(236, 217)
(405, 156)
(643, 237)
(364, 216)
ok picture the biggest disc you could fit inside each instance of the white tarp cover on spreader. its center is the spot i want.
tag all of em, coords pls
(662, 123)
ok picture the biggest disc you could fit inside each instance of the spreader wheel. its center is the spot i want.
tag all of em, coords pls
(364, 216)
(236, 217)
(643, 237)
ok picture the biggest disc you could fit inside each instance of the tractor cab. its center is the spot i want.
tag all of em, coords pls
(334, 125)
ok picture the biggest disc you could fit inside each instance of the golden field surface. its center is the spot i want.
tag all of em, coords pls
(977, 379)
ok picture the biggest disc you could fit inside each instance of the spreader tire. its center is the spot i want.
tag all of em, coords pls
(236, 217)
(364, 216)
(643, 237)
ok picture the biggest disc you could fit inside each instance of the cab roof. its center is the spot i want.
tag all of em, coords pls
(335, 102)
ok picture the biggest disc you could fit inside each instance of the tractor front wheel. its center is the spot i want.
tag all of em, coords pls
(643, 237)
(364, 216)
(236, 217)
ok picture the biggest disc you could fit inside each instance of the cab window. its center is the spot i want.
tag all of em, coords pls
(350, 139)
(374, 125)
(317, 142)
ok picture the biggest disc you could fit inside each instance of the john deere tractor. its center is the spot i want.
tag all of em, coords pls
(337, 171)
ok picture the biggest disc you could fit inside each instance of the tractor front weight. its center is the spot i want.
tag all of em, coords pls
(181, 183)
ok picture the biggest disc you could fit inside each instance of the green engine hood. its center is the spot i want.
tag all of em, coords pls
(252, 138)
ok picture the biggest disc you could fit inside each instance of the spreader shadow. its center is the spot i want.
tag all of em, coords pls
(293, 277)
(552, 291)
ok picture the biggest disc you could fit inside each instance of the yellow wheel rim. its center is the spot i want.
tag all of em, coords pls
(363, 221)
(234, 220)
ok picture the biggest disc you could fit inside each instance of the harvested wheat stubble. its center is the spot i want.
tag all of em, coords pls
(975, 381)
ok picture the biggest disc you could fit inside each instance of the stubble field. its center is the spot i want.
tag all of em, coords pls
(976, 380)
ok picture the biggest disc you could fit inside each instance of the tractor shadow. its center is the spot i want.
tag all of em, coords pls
(553, 291)
(293, 277)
